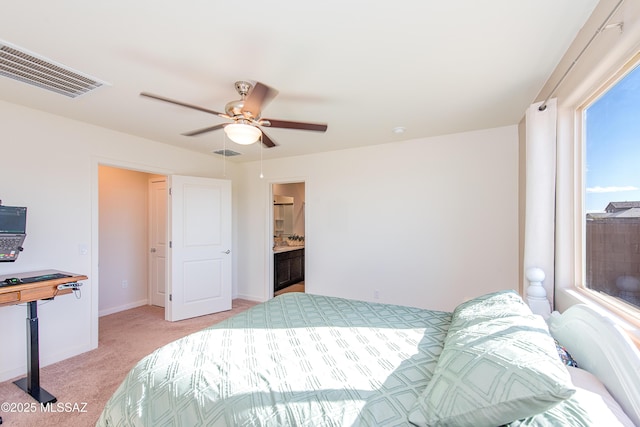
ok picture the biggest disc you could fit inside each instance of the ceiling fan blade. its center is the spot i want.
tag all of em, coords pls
(266, 141)
(258, 98)
(319, 127)
(204, 130)
(183, 104)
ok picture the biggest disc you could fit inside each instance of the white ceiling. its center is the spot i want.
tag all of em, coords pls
(362, 67)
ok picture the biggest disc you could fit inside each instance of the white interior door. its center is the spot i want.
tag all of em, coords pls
(200, 248)
(158, 241)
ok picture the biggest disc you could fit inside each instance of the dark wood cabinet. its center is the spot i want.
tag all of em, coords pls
(288, 268)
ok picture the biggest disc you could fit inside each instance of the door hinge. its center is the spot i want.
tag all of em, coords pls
(170, 244)
(170, 297)
(170, 191)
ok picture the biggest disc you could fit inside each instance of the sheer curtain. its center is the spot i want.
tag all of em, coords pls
(539, 230)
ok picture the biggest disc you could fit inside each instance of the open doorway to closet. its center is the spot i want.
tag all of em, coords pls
(288, 225)
(132, 208)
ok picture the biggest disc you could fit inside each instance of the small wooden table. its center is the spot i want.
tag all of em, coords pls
(35, 286)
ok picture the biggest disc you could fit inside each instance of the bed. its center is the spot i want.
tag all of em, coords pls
(310, 360)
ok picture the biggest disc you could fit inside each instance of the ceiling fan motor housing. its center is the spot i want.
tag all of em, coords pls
(234, 108)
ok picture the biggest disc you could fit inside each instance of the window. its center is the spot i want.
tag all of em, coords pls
(611, 129)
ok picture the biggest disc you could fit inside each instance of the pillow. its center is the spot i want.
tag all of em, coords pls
(487, 307)
(591, 405)
(492, 373)
(596, 395)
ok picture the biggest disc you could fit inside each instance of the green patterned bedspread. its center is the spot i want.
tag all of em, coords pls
(296, 360)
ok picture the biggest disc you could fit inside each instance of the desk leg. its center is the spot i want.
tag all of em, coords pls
(31, 384)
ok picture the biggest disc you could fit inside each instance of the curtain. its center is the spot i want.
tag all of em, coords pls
(539, 230)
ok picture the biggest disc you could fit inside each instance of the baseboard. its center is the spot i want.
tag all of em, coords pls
(249, 298)
(112, 310)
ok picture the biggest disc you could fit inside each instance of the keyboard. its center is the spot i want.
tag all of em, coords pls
(10, 243)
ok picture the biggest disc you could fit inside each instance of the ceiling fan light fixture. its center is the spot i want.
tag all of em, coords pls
(242, 134)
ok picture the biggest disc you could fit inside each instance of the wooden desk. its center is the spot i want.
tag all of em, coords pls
(45, 288)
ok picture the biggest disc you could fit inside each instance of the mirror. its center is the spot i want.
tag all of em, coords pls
(288, 220)
(282, 217)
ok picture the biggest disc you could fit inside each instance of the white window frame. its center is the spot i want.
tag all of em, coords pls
(611, 303)
(570, 212)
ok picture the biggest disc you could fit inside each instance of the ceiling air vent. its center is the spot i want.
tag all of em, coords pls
(18, 64)
(227, 153)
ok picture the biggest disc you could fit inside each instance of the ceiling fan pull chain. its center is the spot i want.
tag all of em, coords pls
(261, 148)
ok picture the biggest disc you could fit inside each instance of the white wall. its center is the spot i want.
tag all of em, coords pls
(428, 222)
(50, 165)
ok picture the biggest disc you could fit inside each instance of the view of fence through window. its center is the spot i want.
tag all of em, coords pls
(612, 191)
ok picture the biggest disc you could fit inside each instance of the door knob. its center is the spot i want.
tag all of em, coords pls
(228, 251)
(153, 250)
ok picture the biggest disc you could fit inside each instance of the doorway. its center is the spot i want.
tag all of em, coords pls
(123, 227)
(288, 241)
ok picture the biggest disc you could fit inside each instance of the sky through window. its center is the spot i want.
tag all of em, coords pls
(613, 145)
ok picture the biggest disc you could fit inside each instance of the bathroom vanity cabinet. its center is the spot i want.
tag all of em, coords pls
(288, 268)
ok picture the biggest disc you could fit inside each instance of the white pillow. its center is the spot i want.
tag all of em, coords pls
(602, 406)
(591, 406)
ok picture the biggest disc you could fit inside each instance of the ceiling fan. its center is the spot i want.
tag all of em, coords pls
(246, 115)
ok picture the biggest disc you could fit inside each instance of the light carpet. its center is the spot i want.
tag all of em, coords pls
(84, 383)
